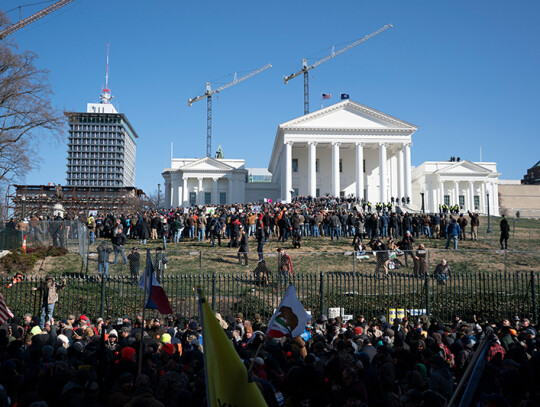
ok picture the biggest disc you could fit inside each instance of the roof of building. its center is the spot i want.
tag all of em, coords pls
(121, 115)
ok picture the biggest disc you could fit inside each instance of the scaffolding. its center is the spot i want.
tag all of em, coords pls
(24, 201)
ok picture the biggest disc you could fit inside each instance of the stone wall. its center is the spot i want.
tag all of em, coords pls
(522, 198)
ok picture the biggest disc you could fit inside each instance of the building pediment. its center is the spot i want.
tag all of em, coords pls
(348, 115)
(464, 167)
(206, 164)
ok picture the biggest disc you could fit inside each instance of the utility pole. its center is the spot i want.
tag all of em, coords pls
(489, 230)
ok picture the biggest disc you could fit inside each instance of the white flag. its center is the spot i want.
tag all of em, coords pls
(290, 318)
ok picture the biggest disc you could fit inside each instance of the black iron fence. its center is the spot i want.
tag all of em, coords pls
(490, 296)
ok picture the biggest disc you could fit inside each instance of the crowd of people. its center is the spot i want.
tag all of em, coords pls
(388, 231)
(81, 361)
(362, 362)
(305, 216)
(317, 217)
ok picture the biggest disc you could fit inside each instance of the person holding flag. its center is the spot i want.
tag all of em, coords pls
(290, 318)
(155, 298)
(227, 382)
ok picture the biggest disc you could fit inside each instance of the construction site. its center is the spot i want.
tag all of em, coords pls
(24, 201)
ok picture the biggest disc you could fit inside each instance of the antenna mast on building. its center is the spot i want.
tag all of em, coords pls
(106, 96)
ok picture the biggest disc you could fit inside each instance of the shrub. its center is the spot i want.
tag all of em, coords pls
(19, 262)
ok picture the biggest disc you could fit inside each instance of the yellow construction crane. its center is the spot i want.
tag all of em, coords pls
(208, 95)
(305, 68)
(34, 17)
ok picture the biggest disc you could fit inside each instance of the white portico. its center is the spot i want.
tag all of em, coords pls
(204, 181)
(346, 149)
(464, 183)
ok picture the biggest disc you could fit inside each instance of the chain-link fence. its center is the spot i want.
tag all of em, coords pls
(70, 234)
(10, 239)
(491, 295)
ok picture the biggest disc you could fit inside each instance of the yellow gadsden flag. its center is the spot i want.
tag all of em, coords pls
(226, 376)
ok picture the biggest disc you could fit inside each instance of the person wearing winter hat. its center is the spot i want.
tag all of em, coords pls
(63, 339)
(112, 340)
(128, 354)
(165, 338)
(35, 330)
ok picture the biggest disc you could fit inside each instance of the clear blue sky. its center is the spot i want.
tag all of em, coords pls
(465, 72)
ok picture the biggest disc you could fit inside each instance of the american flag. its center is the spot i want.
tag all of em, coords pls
(5, 313)
(326, 95)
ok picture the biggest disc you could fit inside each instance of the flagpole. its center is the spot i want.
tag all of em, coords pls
(201, 299)
(139, 361)
(253, 359)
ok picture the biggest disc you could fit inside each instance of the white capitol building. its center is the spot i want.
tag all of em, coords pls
(347, 149)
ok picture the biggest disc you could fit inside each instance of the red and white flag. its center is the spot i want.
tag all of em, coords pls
(5, 313)
(156, 298)
(290, 318)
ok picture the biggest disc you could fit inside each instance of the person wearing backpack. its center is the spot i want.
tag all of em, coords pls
(462, 221)
(215, 230)
(179, 229)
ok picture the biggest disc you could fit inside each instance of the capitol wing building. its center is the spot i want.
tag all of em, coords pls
(347, 150)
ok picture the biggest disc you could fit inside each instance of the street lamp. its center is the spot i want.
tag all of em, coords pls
(423, 207)
(23, 199)
(158, 194)
(489, 230)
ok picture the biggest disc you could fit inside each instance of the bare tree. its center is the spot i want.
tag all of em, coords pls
(26, 113)
(155, 199)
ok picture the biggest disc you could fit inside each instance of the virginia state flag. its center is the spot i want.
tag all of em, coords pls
(290, 318)
(155, 294)
(226, 376)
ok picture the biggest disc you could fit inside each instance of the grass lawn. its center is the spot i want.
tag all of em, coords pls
(323, 255)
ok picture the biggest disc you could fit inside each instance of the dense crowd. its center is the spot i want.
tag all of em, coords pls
(305, 216)
(362, 362)
(333, 218)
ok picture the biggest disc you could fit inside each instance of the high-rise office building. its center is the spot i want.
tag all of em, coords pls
(101, 147)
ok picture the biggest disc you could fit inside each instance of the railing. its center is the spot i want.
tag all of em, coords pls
(488, 295)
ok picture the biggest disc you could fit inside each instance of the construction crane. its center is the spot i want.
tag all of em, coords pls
(208, 95)
(305, 68)
(34, 17)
